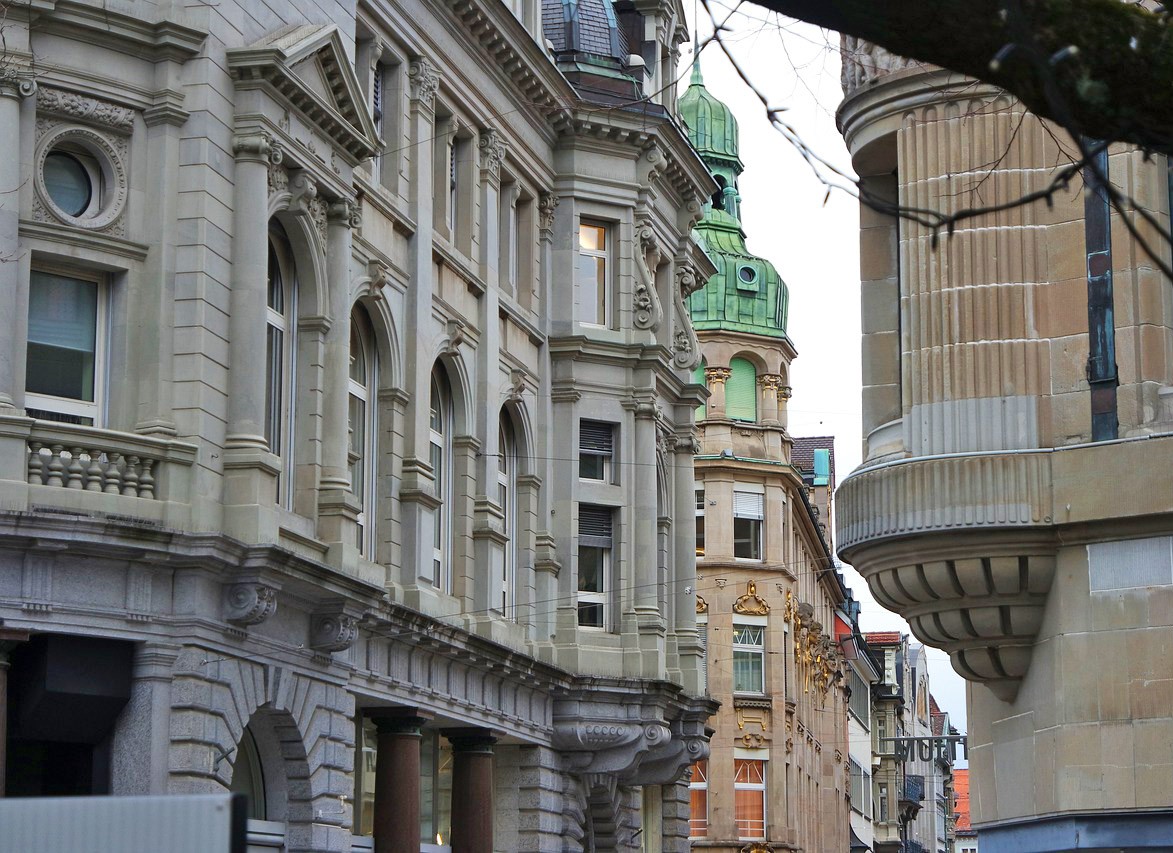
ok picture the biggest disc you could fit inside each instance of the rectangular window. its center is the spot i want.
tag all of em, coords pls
(860, 702)
(453, 189)
(700, 519)
(594, 564)
(882, 747)
(593, 282)
(861, 787)
(702, 634)
(63, 380)
(882, 802)
(748, 514)
(749, 798)
(749, 657)
(698, 800)
(596, 446)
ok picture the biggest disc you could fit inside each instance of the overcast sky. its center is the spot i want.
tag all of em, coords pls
(812, 239)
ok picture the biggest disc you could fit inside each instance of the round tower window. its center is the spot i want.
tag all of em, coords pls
(69, 183)
(747, 274)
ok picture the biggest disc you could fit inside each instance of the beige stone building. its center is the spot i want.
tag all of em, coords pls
(1013, 503)
(346, 417)
(777, 774)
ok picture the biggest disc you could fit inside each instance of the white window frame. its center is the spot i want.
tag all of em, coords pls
(702, 635)
(602, 312)
(280, 406)
(69, 408)
(763, 760)
(364, 457)
(756, 625)
(750, 493)
(698, 827)
(440, 448)
(507, 495)
(600, 596)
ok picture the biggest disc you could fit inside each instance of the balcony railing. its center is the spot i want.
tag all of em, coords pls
(80, 467)
(914, 789)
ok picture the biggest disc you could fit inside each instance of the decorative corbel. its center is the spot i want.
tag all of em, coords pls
(456, 336)
(333, 630)
(645, 302)
(547, 204)
(246, 604)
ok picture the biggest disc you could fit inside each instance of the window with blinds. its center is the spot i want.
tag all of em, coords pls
(595, 542)
(748, 517)
(596, 448)
(860, 702)
(749, 798)
(741, 391)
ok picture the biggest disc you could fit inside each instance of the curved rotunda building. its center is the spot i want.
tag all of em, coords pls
(1013, 503)
(346, 418)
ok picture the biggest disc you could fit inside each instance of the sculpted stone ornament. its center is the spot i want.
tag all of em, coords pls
(249, 603)
(332, 632)
(424, 81)
(82, 107)
(751, 604)
(645, 303)
(686, 349)
(702, 606)
(547, 204)
(492, 149)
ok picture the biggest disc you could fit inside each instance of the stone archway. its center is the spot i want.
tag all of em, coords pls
(284, 769)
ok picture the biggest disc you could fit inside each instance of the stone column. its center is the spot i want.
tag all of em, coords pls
(8, 641)
(643, 558)
(250, 266)
(715, 379)
(396, 825)
(472, 790)
(338, 506)
(417, 500)
(770, 384)
(13, 285)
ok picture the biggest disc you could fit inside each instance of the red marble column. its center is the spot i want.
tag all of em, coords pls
(396, 825)
(472, 790)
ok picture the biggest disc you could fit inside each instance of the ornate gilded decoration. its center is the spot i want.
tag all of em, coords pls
(702, 606)
(717, 375)
(815, 652)
(751, 604)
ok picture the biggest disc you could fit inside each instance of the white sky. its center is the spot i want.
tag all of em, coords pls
(815, 245)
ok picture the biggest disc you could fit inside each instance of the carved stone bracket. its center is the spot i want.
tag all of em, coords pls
(547, 204)
(248, 604)
(333, 631)
(645, 302)
(423, 79)
(492, 149)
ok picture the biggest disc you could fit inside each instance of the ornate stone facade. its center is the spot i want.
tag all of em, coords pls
(308, 500)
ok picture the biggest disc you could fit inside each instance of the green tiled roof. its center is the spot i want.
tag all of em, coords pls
(746, 294)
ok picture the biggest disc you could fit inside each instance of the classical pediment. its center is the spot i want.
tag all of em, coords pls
(307, 67)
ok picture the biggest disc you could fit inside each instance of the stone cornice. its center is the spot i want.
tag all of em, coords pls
(127, 33)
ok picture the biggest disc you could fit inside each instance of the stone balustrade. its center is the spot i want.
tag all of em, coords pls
(94, 464)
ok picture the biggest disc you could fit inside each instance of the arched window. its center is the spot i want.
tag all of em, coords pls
(361, 444)
(741, 391)
(504, 598)
(440, 456)
(247, 776)
(280, 359)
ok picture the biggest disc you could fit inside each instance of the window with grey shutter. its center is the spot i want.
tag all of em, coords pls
(596, 446)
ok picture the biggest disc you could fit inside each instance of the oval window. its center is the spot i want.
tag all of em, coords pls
(68, 182)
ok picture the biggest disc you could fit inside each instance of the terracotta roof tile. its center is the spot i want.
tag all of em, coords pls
(880, 637)
(961, 800)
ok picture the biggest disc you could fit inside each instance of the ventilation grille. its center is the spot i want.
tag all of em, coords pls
(1131, 564)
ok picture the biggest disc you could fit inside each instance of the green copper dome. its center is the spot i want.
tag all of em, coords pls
(712, 129)
(747, 294)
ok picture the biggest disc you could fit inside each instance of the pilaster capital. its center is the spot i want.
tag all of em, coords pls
(344, 212)
(255, 147)
(770, 381)
(423, 80)
(547, 204)
(16, 82)
(492, 153)
(717, 375)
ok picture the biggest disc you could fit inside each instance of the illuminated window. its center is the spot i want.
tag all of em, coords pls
(749, 798)
(594, 274)
(698, 800)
